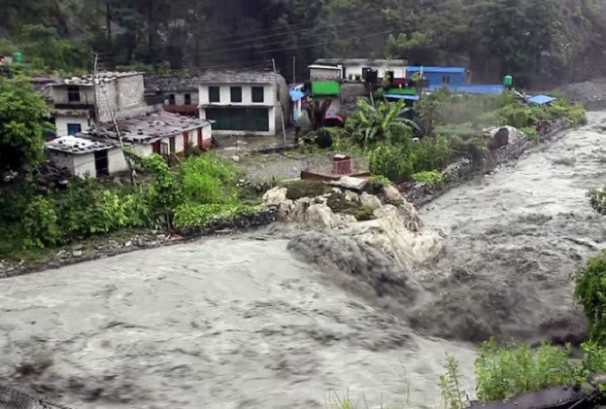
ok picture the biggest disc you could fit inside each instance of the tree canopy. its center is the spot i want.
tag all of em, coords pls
(22, 122)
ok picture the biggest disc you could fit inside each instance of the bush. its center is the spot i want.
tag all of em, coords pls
(376, 184)
(432, 178)
(590, 291)
(40, 223)
(392, 161)
(189, 215)
(531, 133)
(505, 372)
(597, 200)
(208, 179)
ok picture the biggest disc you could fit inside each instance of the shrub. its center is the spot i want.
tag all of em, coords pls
(505, 372)
(432, 178)
(392, 161)
(190, 215)
(376, 184)
(590, 291)
(531, 133)
(597, 200)
(577, 115)
(40, 223)
(208, 179)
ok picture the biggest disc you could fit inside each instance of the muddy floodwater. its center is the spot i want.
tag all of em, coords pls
(243, 323)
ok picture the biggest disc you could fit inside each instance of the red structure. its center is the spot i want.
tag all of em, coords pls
(341, 164)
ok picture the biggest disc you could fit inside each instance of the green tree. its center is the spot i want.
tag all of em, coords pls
(23, 116)
(590, 291)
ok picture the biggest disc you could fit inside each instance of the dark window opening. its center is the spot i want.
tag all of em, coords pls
(171, 143)
(171, 99)
(73, 129)
(236, 94)
(187, 99)
(213, 94)
(446, 79)
(258, 94)
(73, 94)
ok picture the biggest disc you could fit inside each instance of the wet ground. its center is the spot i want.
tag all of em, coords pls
(241, 323)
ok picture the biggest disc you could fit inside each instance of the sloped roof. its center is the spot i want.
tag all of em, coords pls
(164, 83)
(447, 70)
(239, 77)
(107, 76)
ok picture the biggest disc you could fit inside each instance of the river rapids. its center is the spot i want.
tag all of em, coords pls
(300, 319)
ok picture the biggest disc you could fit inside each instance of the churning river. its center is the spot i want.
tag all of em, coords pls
(243, 323)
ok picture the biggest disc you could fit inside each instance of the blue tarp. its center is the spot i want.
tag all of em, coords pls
(407, 97)
(472, 88)
(296, 95)
(541, 99)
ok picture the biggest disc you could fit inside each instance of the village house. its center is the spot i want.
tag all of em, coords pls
(160, 132)
(118, 95)
(177, 94)
(86, 158)
(243, 102)
(356, 68)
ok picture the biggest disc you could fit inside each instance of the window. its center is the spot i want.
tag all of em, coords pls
(171, 99)
(257, 94)
(73, 94)
(187, 99)
(446, 79)
(213, 94)
(73, 129)
(236, 94)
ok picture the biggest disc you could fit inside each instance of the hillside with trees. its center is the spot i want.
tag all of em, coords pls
(565, 40)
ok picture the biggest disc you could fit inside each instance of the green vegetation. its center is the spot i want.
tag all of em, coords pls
(590, 291)
(23, 115)
(432, 178)
(201, 190)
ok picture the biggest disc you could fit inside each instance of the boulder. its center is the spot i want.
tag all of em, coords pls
(275, 196)
(350, 183)
(370, 200)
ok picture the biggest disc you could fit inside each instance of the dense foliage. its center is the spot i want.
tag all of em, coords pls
(590, 291)
(495, 36)
(201, 189)
(23, 115)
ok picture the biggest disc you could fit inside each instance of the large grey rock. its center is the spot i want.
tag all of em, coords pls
(350, 183)
(370, 200)
(275, 196)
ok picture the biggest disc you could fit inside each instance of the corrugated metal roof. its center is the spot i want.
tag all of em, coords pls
(494, 89)
(360, 61)
(77, 145)
(541, 99)
(240, 77)
(403, 96)
(450, 70)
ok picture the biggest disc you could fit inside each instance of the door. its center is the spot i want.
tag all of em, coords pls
(171, 143)
(101, 163)
(200, 139)
(185, 141)
(73, 129)
(156, 147)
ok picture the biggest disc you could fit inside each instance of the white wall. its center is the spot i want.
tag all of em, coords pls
(62, 160)
(116, 161)
(357, 70)
(180, 97)
(62, 121)
(269, 95)
(84, 165)
(142, 149)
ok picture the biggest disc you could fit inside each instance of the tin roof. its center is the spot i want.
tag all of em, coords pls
(447, 70)
(160, 83)
(76, 145)
(360, 61)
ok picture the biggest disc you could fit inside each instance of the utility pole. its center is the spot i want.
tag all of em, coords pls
(128, 162)
(95, 60)
(273, 61)
(294, 70)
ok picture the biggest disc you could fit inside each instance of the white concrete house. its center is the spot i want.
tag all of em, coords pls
(243, 102)
(161, 132)
(352, 67)
(74, 100)
(86, 158)
(179, 95)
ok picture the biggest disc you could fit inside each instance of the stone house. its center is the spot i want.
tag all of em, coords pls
(177, 94)
(75, 101)
(243, 102)
(86, 158)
